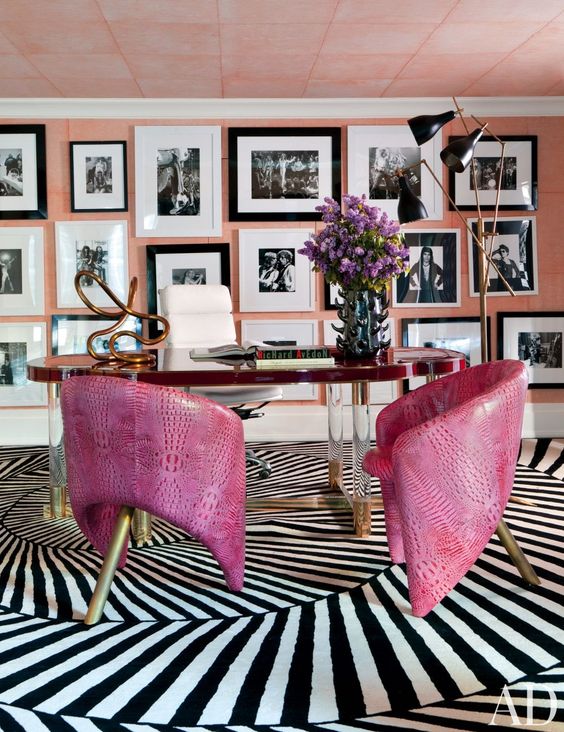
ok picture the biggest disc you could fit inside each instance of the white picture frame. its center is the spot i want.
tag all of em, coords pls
(286, 332)
(163, 156)
(100, 246)
(20, 343)
(518, 235)
(376, 152)
(22, 271)
(273, 276)
(443, 284)
(382, 392)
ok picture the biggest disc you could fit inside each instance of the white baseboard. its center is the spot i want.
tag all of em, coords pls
(280, 422)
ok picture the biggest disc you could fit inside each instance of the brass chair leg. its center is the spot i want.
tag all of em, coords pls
(120, 535)
(517, 557)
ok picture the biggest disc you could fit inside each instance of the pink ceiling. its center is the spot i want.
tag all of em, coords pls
(281, 48)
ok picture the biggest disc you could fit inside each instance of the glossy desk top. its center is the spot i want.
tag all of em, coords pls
(174, 367)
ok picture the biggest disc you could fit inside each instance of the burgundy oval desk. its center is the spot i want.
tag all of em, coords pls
(173, 367)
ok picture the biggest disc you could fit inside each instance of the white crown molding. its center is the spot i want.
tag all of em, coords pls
(276, 108)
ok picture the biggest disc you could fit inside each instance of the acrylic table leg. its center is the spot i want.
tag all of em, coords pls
(361, 444)
(141, 527)
(335, 435)
(57, 507)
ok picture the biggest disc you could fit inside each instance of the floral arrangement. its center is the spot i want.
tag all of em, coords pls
(360, 249)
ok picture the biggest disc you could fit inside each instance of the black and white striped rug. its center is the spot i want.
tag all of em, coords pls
(321, 638)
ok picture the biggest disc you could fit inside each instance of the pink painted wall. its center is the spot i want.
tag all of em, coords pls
(550, 132)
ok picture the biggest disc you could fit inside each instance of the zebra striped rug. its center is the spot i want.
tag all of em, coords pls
(321, 638)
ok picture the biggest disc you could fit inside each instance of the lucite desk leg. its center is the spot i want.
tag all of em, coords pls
(141, 527)
(57, 507)
(335, 436)
(361, 444)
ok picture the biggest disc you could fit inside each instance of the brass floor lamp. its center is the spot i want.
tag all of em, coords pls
(457, 156)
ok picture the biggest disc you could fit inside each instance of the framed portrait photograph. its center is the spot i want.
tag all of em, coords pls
(376, 152)
(20, 343)
(183, 264)
(457, 334)
(330, 295)
(178, 180)
(382, 392)
(21, 271)
(282, 173)
(433, 279)
(23, 173)
(519, 186)
(97, 246)
(285, 333)
(514, 252)
(536, 340)
(273, 277)
(98, 176)
(69, 333)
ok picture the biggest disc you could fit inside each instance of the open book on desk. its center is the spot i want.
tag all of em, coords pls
(250, 351)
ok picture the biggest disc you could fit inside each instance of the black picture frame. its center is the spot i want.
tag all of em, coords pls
(459, 333)
(518, 235)
(330, 295)
(94, 189)
(27, 142)
(518, 193)
(95, 322)
(282, 198)
(163, 260)
(535, 338)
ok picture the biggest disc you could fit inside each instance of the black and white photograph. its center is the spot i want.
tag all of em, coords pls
(190, 276)
(456, 334)
(433, 278)
(514, 253)
(375, 155)
(23, 175)
(21, 270)
(276, 270)
(98, 247)
(183, 264)
(178, 181)
(98, 176)
(535, 339)
(517, 177)
(273, 276)
(20, 343)
(11, 172)
(285, 174)
(10, 271)
(384, 163)
(282, 173)
(92, 256)
(540, 350)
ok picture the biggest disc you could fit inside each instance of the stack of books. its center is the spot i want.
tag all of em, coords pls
(267, 357)
(293, 357)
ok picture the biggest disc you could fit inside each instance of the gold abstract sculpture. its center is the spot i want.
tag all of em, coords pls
(137, 357)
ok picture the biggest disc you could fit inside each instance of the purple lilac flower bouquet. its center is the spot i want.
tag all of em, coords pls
(360, 249)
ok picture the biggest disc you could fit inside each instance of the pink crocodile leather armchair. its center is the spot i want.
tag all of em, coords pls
(178, 456)
(446, 460)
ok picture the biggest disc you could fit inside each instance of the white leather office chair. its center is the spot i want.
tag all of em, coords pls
(201, 316)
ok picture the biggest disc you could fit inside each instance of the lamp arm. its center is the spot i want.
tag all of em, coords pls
(461, 217)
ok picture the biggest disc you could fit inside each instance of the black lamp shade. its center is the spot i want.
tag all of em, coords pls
(458, 154)
(426, 126)
(410, 208)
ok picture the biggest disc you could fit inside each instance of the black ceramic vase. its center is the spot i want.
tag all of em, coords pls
(364, 331)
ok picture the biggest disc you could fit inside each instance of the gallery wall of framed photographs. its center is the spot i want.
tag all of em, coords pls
(192, 202)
